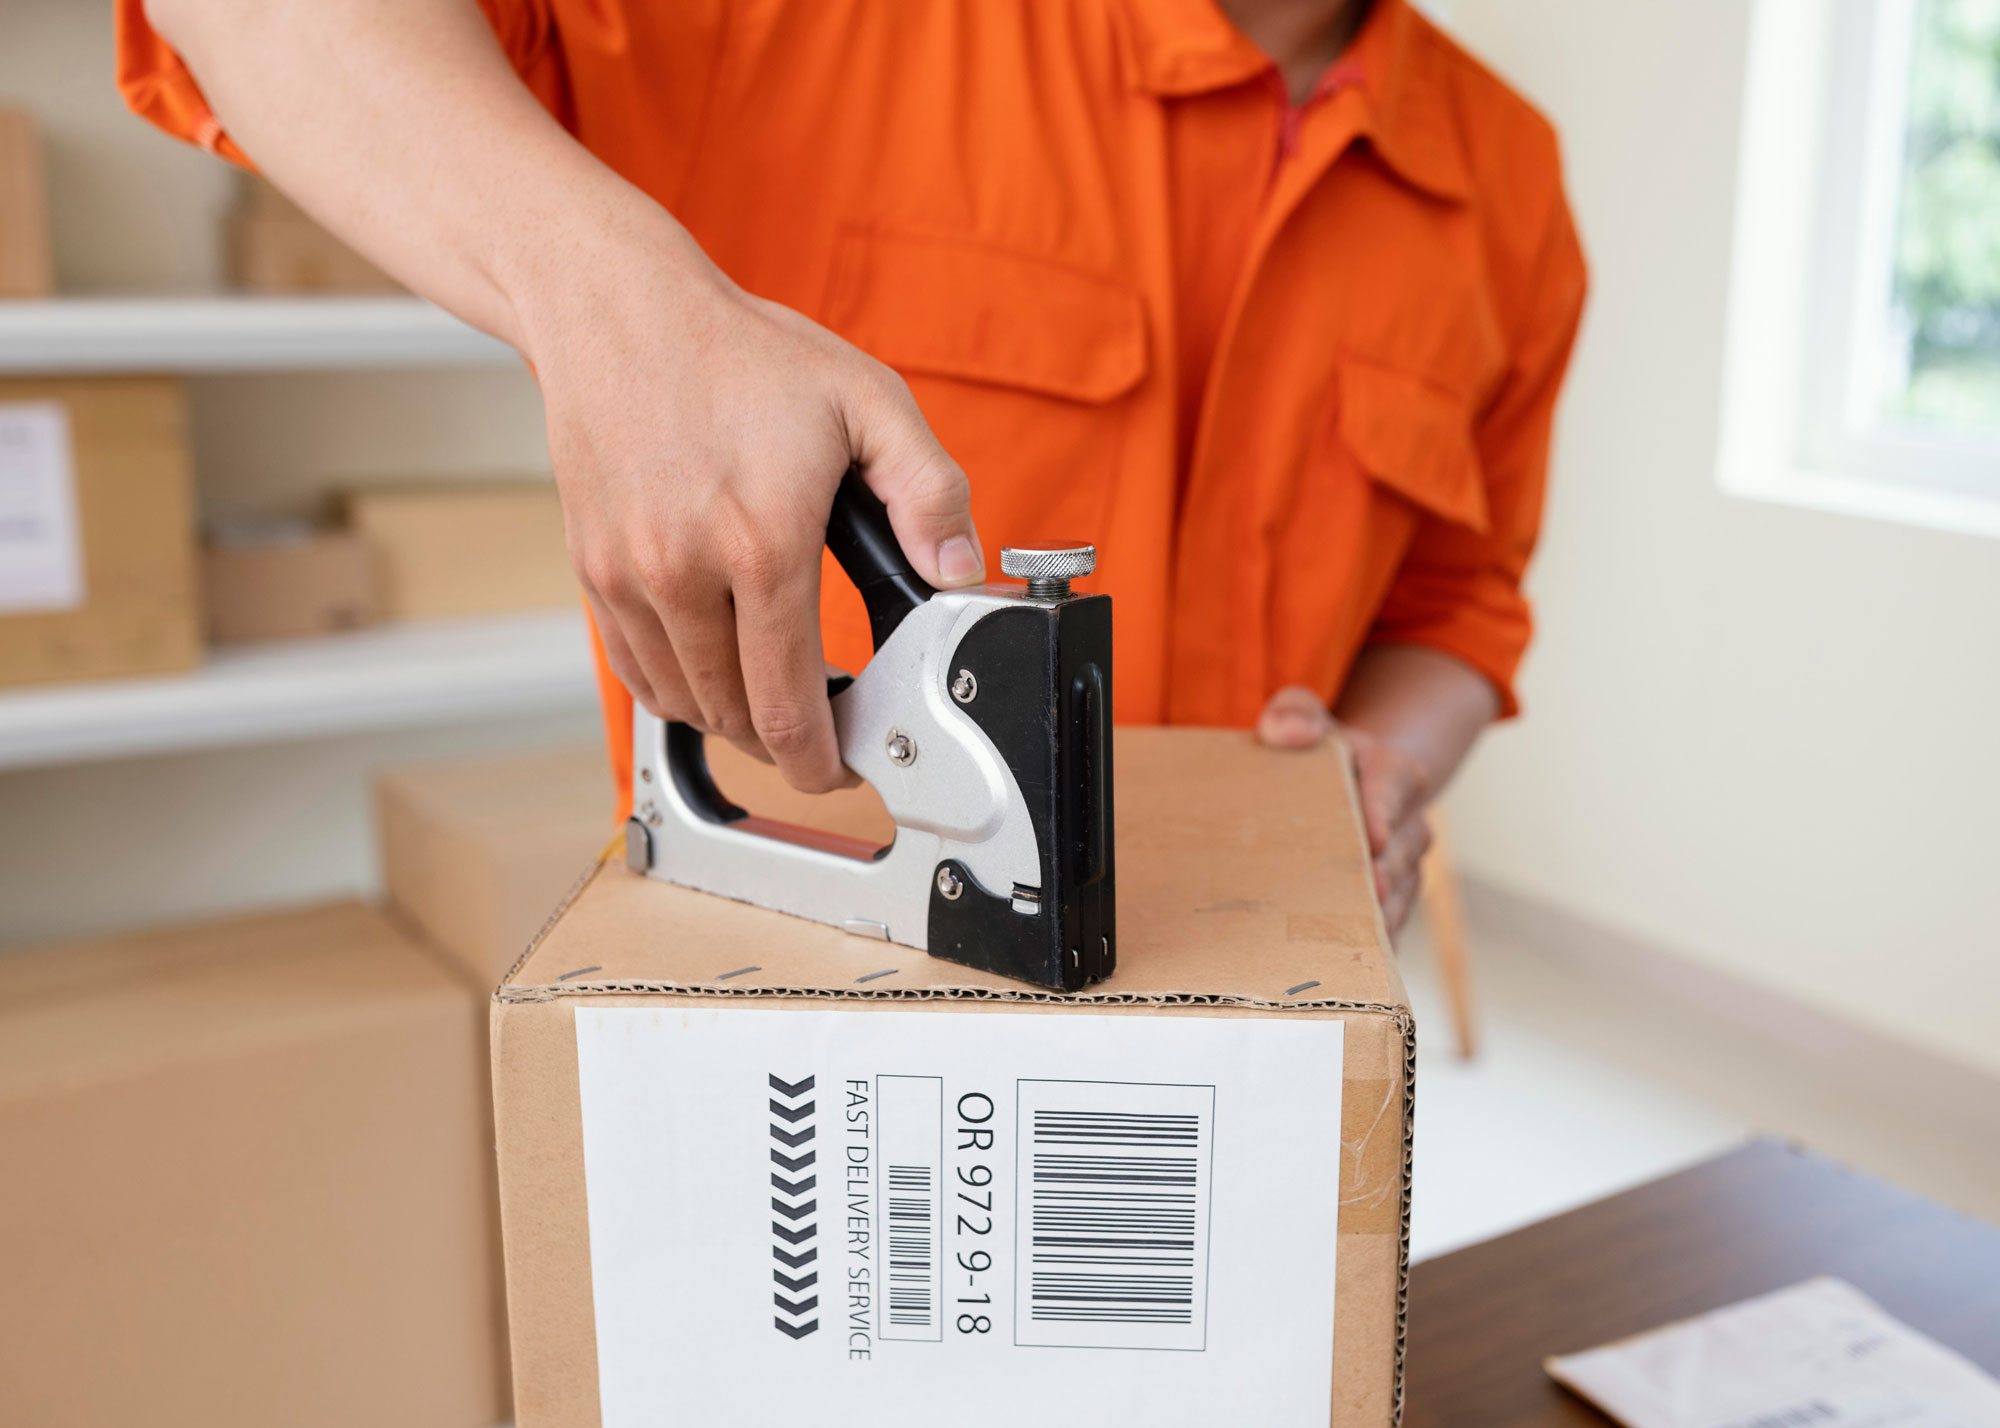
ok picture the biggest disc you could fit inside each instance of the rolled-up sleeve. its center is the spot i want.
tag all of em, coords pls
(157, 86)
(1458, 590)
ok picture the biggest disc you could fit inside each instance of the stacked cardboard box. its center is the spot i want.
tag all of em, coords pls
(272, 246)
(247, 1181)
(27, 268)
(466, 548)
(285, 581)
(97, 545)
(478, 853)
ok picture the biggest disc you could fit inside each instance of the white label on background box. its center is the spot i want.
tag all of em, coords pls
(41, 550)
(986, 1219)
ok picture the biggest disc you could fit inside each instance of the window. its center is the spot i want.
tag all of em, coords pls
(1938, 360)
(1863, 371)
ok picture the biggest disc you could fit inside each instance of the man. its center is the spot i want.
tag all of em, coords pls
(1270, 299)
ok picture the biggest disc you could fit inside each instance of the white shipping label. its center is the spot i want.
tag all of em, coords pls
(41, 545)
(987, 1219)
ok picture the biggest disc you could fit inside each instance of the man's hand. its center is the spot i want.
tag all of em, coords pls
(1393, 785)
(698, 435)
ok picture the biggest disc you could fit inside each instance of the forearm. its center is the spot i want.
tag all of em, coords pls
(400, 125)
(1421, 702)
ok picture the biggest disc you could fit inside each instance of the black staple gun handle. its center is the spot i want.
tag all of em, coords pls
(861, 539)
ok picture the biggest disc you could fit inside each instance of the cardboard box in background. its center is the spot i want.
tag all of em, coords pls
(271, 245)
(482, 548)
(478, 853)
(285, 584)
(27, 266)
(118, 497)
(247, 1179)
(1227, 1110)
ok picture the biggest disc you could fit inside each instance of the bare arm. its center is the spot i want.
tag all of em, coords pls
(697, 433)
(1410, 716)
(1425, 705)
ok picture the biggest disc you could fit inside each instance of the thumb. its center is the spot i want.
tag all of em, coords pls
(1293, 718)
(928, 496)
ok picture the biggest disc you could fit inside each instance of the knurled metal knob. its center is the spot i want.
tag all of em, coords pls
(1048, 566)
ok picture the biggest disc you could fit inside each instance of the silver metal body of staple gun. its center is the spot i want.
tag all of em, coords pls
(983, 721)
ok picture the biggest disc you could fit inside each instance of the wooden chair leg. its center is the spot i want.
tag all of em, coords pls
(1444, 920)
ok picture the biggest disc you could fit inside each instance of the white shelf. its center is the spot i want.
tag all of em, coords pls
(43, 337)
(396, 676)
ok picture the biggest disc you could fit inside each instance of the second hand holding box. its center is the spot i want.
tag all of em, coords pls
(754, 1170)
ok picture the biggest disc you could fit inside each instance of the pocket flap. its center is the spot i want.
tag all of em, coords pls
(953, 307)
(1414, 439)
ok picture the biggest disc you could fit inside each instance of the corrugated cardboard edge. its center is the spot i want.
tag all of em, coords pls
(1407, 1022)
(507, 994)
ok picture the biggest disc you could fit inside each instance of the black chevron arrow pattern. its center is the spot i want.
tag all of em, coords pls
(793, 1126)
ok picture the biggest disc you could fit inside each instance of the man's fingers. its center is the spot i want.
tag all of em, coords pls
(617, 653)
(701, 626)
(777, 631)
(1396, 907)
(1399, 867)
(667, 695)
(1294, 718)
(928, 496)
(1392, 792)
(1404, 856)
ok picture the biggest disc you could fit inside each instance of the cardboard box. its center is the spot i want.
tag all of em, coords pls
(286, 584)
(1180, 1197)
(246, 1181)
(27, 265)
(477, 853)
(270, 245)
(97, 544)
(465, 549)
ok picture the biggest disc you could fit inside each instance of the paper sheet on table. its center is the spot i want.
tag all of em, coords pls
(1817, 1355)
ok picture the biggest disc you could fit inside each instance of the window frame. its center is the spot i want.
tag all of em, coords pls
(1810, 281)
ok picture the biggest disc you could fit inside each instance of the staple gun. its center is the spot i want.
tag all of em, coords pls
(984, 722)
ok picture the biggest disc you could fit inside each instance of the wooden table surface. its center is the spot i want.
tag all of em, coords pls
(1756, 1219)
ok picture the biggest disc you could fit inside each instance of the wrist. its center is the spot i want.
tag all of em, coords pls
(572, 269)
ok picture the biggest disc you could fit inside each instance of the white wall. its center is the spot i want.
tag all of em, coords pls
(119, 844)
(1760, 736)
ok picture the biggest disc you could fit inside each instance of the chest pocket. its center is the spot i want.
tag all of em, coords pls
(1414, 439)
(952, 307)
(1020, 365)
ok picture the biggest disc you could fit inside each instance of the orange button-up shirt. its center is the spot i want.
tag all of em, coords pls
(1292, 370)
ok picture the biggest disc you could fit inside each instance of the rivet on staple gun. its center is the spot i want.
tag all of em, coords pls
(983, 721)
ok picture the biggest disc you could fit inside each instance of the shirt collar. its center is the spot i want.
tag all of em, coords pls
(1178, 48)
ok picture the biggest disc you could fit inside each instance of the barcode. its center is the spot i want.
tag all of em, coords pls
(1113, 1230)
(912, 1250)
(910, 1136)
